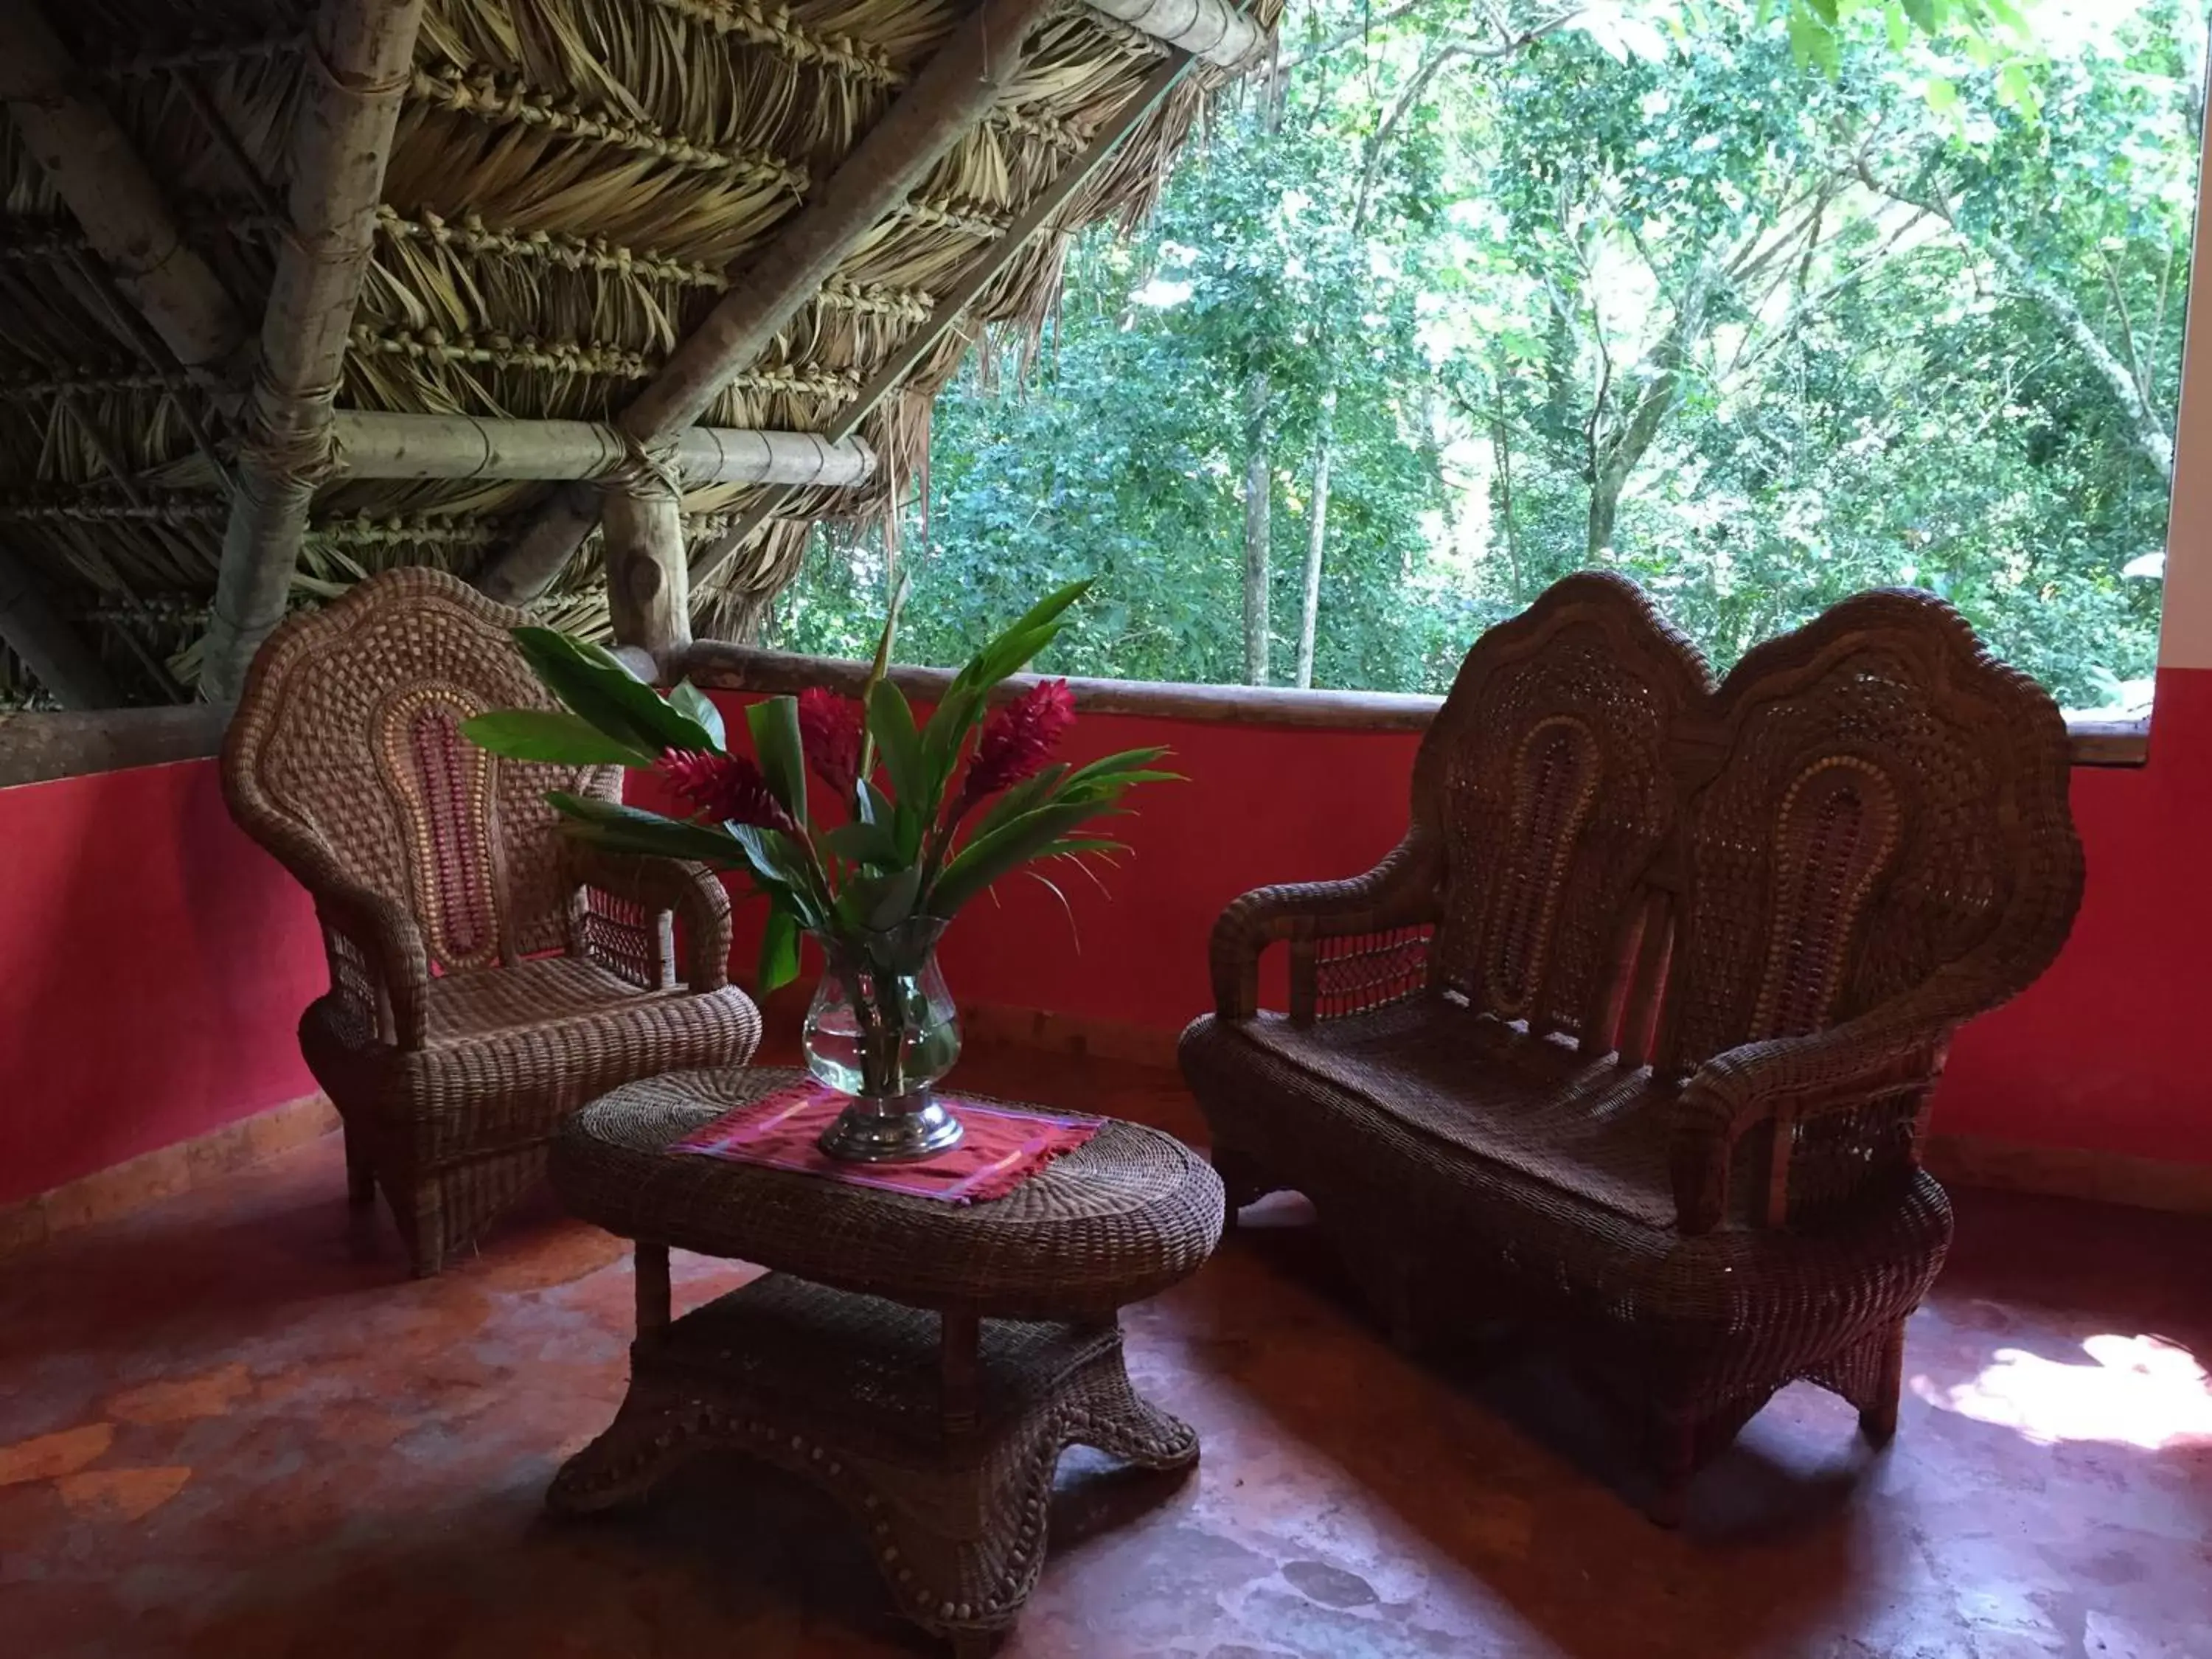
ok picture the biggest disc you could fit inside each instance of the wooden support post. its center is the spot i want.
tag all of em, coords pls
(99, 172)
(49, 647)
(955, 90)
(955, 300)
(649, 584)
(356, 61)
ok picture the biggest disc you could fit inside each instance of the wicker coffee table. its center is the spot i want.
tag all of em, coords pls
(925, 1362)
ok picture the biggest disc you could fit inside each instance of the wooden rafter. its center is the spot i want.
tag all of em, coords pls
(100, 176)
(954, 91)
(50, 648)
(955, 300)
(366, 445)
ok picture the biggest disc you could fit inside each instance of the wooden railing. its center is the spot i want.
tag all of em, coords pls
(37, 747)
(725, 667)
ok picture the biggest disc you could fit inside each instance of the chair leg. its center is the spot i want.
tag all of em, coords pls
(361, 1170)
(1242, 1184)
(1878, 1406)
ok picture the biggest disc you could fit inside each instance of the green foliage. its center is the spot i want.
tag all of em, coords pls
(1763, 304)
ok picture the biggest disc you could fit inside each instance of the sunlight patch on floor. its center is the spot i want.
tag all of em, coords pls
(2140, 1391)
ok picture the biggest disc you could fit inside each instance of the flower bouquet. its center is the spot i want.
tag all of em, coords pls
(921, 817)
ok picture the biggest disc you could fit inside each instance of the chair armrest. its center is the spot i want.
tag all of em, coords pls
(377, 958)
(1400, 892)
(1892, 1055)
(663, 888)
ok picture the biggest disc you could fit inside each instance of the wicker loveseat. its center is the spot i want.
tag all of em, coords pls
(1632, 1038)
(488, 976)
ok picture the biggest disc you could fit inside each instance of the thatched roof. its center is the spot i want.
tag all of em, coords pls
(573, 186)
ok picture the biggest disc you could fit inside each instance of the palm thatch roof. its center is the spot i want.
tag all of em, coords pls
(572, 187)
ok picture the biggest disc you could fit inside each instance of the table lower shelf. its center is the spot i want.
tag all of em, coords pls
(847, 1392)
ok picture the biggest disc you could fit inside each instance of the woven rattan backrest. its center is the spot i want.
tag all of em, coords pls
(1544, 780)
(1872, 801)
(346, 760)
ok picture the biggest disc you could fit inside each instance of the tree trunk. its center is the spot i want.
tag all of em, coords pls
(1259, 486)
(1501, 453)
(2149, 431)
(1604, 510)
(1316, 538)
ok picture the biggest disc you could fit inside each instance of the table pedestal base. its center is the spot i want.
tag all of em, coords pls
(848, 1391)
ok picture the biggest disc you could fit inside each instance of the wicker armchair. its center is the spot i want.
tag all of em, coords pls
(1633, 1035)
(488, 975)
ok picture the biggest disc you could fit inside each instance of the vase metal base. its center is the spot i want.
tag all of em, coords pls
(899, 1129)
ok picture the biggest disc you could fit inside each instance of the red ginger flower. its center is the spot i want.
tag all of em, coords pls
(830, 731)
(1018, 740)
(728, 788)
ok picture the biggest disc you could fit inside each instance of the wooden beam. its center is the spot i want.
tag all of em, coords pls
(723, 667)
(955, 90)
(58, 659)
(366, 445)
(36, 747)
(1212, 30)
(648, 588)
(100, 174)
(356, 64)
(955, 302)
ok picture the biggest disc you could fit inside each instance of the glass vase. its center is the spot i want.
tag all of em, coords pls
(881, 1031)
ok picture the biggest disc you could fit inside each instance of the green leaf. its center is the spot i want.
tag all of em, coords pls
(1811, 42)
(620, 829)
(1924, 13)
(779, 950)
(880, 665)
(593, 683)
(863, 842)
(1021, 640)
(688, 700)
(869, 805)
(774, 722)
(892, 723)
(1024, 796)
(879, 903)
(548, 734)
(987, 858)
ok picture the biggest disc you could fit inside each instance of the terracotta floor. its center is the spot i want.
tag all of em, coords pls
(228, 1429)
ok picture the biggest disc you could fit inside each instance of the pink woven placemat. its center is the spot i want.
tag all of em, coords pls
(1002, 1148)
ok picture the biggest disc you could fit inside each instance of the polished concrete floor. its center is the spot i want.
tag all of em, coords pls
(230, 1427)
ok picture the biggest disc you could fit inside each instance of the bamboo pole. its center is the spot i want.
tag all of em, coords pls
(648, 586)
(1212, 30)
(366, 445)
(955, 300)
(356, 64)
(100, 174)
(954, 91)
(57, 656)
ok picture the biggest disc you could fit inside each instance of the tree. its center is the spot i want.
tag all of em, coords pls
(1759, 305)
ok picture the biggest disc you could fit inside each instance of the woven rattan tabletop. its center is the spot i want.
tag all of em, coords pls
(1121, 1219)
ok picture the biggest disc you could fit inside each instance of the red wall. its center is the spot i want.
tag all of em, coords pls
(158, 961)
